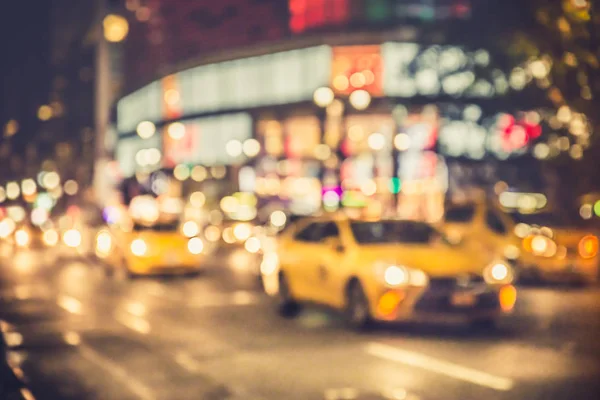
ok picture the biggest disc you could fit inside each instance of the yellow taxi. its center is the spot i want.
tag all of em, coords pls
(150, 249)
(385, 270)
(540, 244)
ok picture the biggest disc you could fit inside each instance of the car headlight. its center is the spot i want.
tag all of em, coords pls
(399, 275)
(498, 272)
(72, 238)
(540, 245)
(50, 238)
(396, 276)
(103, 242)
(195, 245)
(22, 238)
(139, 247)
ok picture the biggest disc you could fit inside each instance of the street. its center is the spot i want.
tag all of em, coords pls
(76, 334)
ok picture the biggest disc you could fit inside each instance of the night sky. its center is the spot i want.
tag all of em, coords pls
(25, 70)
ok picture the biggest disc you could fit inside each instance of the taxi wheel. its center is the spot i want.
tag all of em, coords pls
(357, 307)
(286, 305)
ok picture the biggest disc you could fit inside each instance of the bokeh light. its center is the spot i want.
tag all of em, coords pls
(115, 27)
(71, 187)
(199, 173)
(146, 129)
(176, 131)
(360, 99)
(181, 172)
(12, 190)
(251, 147)
(323, 97)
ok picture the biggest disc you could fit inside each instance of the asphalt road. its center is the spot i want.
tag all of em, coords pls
(78, 335)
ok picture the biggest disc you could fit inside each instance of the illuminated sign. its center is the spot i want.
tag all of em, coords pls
(411, 69)
(205, 140)
(279, 78)
(381, 10)
(357, 67)
(127, 149)
(141, 105)
(307, 14)
(171, 97)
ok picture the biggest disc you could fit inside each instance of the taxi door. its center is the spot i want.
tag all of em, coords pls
(331, 270)
(300, 257)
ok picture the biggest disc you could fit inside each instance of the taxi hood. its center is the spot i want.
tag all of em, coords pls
(436, 260)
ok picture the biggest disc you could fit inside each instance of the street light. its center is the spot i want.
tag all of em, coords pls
(115, 27)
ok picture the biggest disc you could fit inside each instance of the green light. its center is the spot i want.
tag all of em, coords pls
(378, 10)
(394, 185)
(597, 208)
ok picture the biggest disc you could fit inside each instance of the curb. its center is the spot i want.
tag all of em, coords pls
(13, 384)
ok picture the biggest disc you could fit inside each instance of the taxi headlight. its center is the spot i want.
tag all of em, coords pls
(72, 238)
(22, 238)
(195, 245)
(543, 246)
(396, 276)
(498, 272)
(50, 237)
(103, 242)
(418, 278)
(139, 247)
(399, 275)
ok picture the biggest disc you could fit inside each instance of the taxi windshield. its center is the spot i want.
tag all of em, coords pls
(158, 227)
(393, 232)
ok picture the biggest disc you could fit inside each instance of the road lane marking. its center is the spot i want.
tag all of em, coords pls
(187, 362)
(27, 395)
(439, 366)
(238, 298)
(136, 387)
(136, 308)
(70, 304)
(137, 324)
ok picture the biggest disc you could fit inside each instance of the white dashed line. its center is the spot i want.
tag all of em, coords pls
(137, 324)
(187, 362)
(439, 366)
(136, 387)
(70, 304)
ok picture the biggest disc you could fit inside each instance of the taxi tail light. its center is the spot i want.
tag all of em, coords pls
(588, 246)
(507, 297)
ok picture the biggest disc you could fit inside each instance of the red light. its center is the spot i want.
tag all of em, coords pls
(315, 13)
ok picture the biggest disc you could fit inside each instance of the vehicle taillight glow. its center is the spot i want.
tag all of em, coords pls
(588, 246)
(507, 297)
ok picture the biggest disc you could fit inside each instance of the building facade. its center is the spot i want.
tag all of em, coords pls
(320, 102)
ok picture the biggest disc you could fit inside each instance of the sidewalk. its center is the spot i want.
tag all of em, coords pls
(10, 385)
